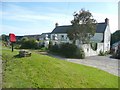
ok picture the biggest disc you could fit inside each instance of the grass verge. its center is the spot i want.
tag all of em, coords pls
(41, 71)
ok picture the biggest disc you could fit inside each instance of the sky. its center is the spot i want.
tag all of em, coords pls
(119, 15)
(29, 18)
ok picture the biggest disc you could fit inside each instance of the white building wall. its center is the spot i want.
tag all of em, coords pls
(65, 39)
(107, 38)
(86, 47)
(90, 52)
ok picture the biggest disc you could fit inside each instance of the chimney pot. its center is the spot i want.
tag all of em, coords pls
(107, 21)
(56, 24)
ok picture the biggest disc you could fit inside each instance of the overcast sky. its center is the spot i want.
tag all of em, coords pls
(25, 18)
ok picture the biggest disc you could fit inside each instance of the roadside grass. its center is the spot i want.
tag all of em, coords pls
(41, 71)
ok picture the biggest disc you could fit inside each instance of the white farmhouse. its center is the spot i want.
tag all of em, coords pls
(101, 37)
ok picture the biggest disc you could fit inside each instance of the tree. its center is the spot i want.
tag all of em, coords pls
(28, 43)
(115, 37)
(83, 27)
(4, 37)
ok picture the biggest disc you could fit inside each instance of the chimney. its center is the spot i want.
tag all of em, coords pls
(107, 21)
(56, 24)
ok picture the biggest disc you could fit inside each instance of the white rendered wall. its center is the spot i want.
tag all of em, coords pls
(107, 38)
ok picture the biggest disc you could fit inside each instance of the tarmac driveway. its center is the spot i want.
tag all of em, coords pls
(102, 62)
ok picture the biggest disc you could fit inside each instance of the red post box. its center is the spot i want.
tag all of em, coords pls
(12, 39)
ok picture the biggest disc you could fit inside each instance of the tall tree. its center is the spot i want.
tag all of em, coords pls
(83, 27)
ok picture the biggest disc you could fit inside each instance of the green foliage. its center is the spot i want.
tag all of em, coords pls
(93, 46)
(50, 44)
(4, 37)
(83, 27)
(24, 39)
(116, 53)
(17, 46)
(101, 53)
(4, 43)
(80, 53)
(43, 49)
(54, 48)
(28, 43)
(115, 37)
(68, 50)
(41, 71)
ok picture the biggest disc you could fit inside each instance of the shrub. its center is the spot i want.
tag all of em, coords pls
(50, 44)
(28, 43)
(43, 49)
(118, 52)
(80, 53)
(54, 48)
(107, 52)
(17, 46)
(101, 53)
(93, 46)
(68, 50)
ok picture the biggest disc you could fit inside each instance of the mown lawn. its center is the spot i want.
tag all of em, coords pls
(41, 71)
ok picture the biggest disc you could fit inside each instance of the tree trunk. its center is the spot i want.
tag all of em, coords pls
(74, 41)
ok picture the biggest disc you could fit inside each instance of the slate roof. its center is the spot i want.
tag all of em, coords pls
(43, 35)
(101, 27)
(63, 29)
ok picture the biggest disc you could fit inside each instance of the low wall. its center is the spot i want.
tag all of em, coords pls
(89, 51)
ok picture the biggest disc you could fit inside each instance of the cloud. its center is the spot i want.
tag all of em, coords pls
(6, 29)
(59, 0)
(51, 17)
(17, 13)
(113, 20)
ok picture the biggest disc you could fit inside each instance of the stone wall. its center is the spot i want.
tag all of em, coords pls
(89, 51)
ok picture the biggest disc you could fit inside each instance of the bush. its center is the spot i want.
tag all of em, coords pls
(101, 53)
(28, 43)
(107, 52)
(118, 53)
(54, 48)
(43, 49)
(93, 46)
(50, 44)
(80, 53)
(17, 46)
(68, 50)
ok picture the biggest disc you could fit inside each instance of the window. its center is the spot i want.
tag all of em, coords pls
(62, 37)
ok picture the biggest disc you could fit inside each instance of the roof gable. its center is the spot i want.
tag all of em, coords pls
(63, 29)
